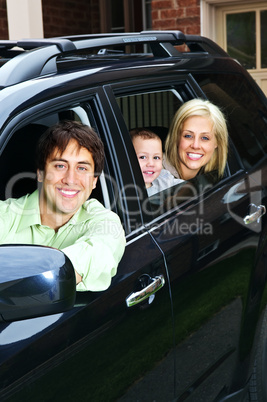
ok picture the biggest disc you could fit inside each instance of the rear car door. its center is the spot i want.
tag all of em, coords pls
(201, 228)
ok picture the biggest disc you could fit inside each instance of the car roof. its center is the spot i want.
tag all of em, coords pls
(23, 60)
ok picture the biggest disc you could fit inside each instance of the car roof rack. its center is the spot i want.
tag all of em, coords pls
(37, 57)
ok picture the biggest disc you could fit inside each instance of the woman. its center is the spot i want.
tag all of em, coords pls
(197, 141)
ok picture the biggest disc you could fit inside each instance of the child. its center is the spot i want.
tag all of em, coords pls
(148, 148)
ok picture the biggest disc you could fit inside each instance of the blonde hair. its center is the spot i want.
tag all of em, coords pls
(204, 108)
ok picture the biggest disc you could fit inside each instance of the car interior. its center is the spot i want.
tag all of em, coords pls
(18, 169)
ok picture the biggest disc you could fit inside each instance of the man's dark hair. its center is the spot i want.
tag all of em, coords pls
(58, 137)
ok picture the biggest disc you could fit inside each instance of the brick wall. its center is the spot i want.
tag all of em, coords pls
(3, 20)
(183, 15)
(74, 17)
(70, 17)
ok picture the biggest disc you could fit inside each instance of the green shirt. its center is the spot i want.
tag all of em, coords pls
(93, 238)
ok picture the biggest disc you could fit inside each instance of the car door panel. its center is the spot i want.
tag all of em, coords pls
(205, 280)
(210, 255)
(101, 337)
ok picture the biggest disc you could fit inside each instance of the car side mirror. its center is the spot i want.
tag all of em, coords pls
(34, 281)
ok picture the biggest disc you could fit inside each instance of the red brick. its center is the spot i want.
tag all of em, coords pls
(165, 25)
(188, 3)
(160, 4)
(192, 11)
(167, 14)
(189, 21)
(193, 30)
(73, 17)
(155, 15)
(181, 12)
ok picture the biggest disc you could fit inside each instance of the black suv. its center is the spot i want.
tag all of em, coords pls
(185, 316)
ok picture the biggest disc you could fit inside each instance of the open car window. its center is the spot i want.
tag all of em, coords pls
(154, 110)
(17, 162)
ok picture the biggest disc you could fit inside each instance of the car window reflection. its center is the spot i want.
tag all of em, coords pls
(178, 195)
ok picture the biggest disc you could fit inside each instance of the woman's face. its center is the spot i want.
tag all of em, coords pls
(197, 144)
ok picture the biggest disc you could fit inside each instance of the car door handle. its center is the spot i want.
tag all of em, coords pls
(147, 292)
(256, 215)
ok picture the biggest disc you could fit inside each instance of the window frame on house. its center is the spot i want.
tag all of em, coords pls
(213, 25)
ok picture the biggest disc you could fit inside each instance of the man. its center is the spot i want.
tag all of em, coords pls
(70, 157)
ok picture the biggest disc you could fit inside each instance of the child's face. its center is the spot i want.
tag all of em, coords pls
(149, 154)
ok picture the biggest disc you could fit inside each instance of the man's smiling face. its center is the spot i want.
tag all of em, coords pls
(68, 180)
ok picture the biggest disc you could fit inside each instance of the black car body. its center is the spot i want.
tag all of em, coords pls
(184, 318)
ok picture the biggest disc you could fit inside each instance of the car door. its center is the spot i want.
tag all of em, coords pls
(202, 229)
(210, 254)
(110, 339)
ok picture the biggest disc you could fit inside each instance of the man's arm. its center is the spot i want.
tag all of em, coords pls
(97, 253)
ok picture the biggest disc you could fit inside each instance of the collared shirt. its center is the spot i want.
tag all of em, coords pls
(93, 238)
(163, 181)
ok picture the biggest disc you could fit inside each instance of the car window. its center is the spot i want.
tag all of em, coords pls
(247, 120)
(154, 110)
(17, 161)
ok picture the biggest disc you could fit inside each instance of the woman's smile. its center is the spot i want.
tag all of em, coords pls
(197, 145)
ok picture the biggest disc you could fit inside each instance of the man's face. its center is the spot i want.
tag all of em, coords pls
(68, 181)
